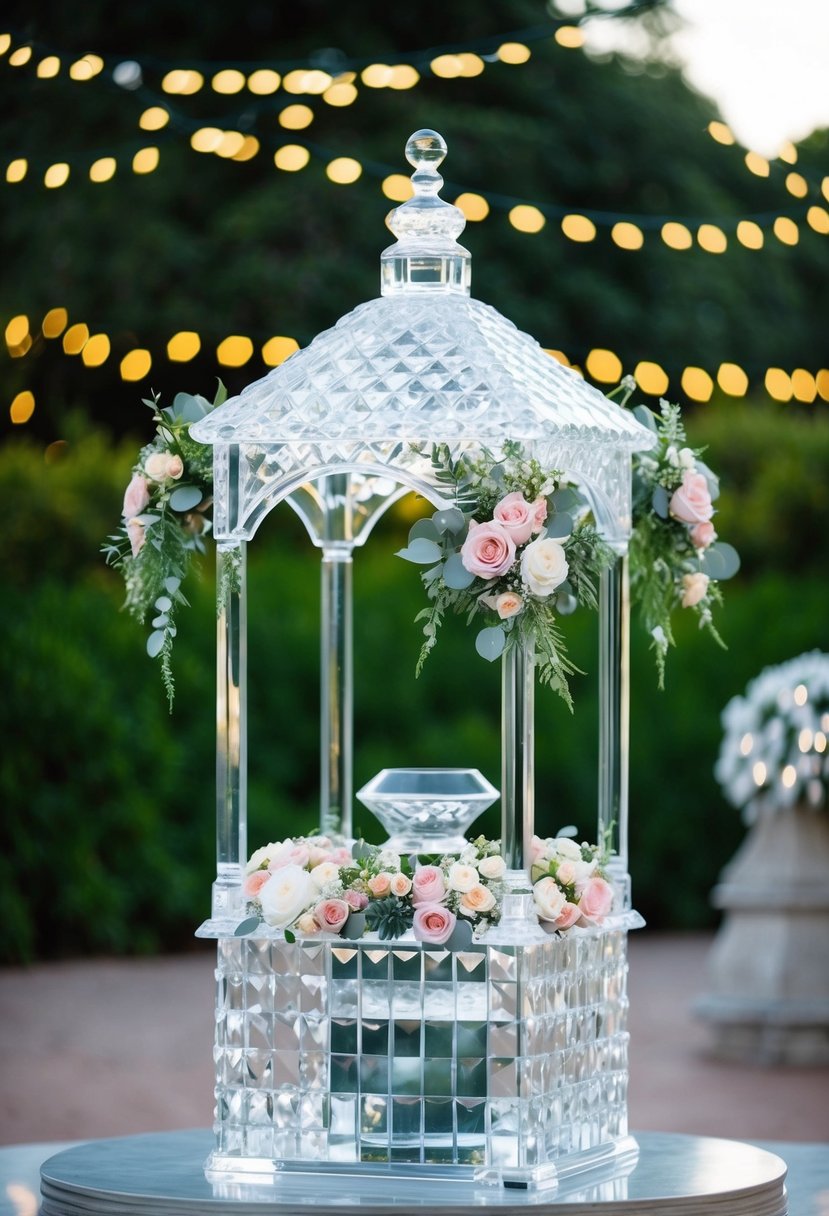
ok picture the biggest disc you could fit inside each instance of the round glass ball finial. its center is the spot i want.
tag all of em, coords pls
(425, 148)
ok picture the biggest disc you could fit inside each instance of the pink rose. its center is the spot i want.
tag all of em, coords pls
(299, 855)
(488, 551)
(137, 536)
(568, 916)
(289, 855)
(691, 502)
(703, 535)
(356, 900)
(596, 899)
(332, 914)
(433, 923)
(508, 604)
(175, 467)
(695, 587)
(317, 855)
(539, 510)
(380, 884)
(538, 848)
(254, 883)
(136, 496)
(516, 516)
(341, 857)
(566, 873)
(428, 886)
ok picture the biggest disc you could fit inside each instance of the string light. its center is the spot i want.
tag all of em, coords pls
(296, 117)
(22, 408)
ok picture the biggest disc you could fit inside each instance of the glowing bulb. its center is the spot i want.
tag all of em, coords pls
(340, 94)
(778, 384)
(55, 176)
(17, 330)
(627, 236)
(804, 386)
(136, 365)
(404, 76)
(750, 234)
(397, 187)
(789, 776)
(49, 67)
(54, 323)
(295, 117)
(96, 350)
(757, 164)
(676, 236)
(145, 160)
(474, 206)
(604, 366)
(21, 56)
(578, 228)
(569, 36)
(154, 119)
(229, 80)
(711, 238)
(786, 230)
(758, 772)
(651, 378)
(697, 384)
(820, 741)
(818, 218)
(526, 218)
(447, 66)
(732, 380)
(801, 694)
(513, 52)
(22, 407)
(797, 185)
(805, 739)
(343, 170)
(102, 170)
(291, 157)
(249, 148)
(206, 139)
(276, 350)
(16, 170)
(720, 132)
(264, 81)
(75, 338)
(746, 744)
(234, 351)
(183, 346)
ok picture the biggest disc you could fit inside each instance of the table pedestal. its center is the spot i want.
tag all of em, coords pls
(162, 1174)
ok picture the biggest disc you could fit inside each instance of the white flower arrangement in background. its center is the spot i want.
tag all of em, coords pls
(774, 752)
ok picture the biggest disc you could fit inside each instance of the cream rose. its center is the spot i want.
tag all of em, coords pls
(379, 884)
(508, 604)
(566, 872)
(175, 467)
(695, 587)
(287, 894)
(307, 924)
(516, 516)
(461, 877)
(477, 900)
(262, 856)
(691, 502)
(703, 535)
(565, 847)
(492, 867)
(568, 916)
(155, 466)
(324, 873)
(400, 885)
(488, 551)
(543, 566)
(549, 900)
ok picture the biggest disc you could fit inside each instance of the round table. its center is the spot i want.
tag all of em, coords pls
(162, 1174)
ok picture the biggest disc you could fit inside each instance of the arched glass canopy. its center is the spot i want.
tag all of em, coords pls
(345, 426)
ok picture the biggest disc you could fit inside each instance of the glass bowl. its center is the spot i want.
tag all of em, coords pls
(427, 810)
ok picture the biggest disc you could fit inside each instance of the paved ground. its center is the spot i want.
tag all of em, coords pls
(110, 1048)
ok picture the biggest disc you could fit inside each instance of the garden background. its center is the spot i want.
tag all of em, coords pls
(108, 801)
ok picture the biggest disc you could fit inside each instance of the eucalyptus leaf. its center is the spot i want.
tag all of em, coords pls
(355, 926)
(455, 574)
(461, 936)
(172, 585)
(188, 407)
(161, 622)
(720, 562)
(659, 501)
(185, 498)
(566, 604)
(248, 925)
(360, 850)
(147, 520)
(221, 393)
(566, 499)
(421, 551)
(163, 603)
(712, 479)
(497, 473)
(425, 529)
(490, 643)
(569, 831)
(155, 642)
(647, 417)
(449, 520)
(561, 524)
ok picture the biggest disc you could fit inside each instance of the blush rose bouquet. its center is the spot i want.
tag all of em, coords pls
(312, 885)
(517, 551)
(165, 520)
(570, 883)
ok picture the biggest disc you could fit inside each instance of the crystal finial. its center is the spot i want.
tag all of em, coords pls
(427, 254)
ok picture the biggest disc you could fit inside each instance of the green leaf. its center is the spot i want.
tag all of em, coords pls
(188, 407)
(490, 643)
(221, 394)
(712, 479)
(425, 529)
(647, 417)
(720, 561)
(421, 551)
(560, 525)
(449, 520)
(455, 574)
(565, 499)
(172, 585)
(185, 498)
(290, 937)
(247, 926)
(155, 643)
(659, 501)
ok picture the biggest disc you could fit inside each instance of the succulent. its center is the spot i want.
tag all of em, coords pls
(389, 917)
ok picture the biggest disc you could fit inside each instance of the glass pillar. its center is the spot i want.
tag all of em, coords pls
(517, 760)
(231, 728)
(336, 689)
(614, 708)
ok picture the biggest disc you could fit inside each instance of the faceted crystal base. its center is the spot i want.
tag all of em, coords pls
(496, 1062)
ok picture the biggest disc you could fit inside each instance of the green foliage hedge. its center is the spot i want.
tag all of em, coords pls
(108, 802)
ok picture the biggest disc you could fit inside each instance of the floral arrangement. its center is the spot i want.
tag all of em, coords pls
(309, 885)
(518, 549)
(676, 559)
(165, 520)
(570, 885)
(774, 749)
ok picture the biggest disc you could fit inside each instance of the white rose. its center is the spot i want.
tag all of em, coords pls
(324, 873)
(155, 466)
(687, 460)
(462, 877)
(549, 900)
(400, 884)
(492, 867)
(387, 859)
(288, 893)
(582, 870)
(543, 566)
(565, 847)
(264, 855)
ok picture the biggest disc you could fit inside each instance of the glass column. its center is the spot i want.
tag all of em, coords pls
(336, 689)
(614, 705)
(231, 728)
(517, 759)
